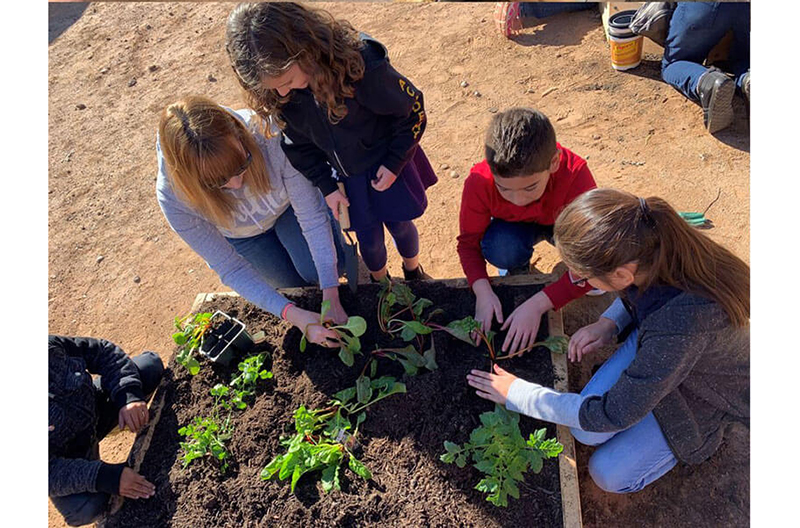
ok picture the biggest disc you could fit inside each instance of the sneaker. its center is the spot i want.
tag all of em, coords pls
(715, 90)
(507, 18)
(416, 274)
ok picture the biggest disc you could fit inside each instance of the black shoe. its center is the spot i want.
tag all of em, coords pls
(715, 90)
(519, 270)
(416, 274)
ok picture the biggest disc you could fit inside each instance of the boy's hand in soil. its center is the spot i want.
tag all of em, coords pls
(308, 323)
(333, 200)
(336, 312)
(134, 486)
(384, 179)
(490, 386)
(487, 306)
(523, 323)
(591, 337)
(134, 416)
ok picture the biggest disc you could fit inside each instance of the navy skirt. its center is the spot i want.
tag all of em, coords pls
(404, 200)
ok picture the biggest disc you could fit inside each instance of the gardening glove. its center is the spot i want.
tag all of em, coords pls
(536, 401)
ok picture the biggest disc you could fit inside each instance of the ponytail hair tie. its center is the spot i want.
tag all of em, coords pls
(645, 210)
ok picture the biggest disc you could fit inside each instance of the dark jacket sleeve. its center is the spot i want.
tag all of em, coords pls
(67, 476)
(118, 375)
(308, 159)
(663, 361)
(384, 91)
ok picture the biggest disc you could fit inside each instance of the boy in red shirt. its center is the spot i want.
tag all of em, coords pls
(510, 202)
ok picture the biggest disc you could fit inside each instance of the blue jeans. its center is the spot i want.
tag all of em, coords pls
(627, 460)
(281, 254)
(509, 245)
(695, 28)
(546, 9)
(83, 508)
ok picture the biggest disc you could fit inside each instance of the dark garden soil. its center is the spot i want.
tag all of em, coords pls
(402, 436)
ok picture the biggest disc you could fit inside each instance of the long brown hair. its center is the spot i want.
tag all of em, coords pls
(265, 39)
(605, 228)
(198, 140)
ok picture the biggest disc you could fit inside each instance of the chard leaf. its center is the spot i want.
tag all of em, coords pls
(359, 469)
(363, 389)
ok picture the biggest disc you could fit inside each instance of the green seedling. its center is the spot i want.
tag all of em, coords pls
(396, 299)
(206, 436)
(244, 384)
(347, 334)
(410, 358)
(189, 338)
(498, 450)
(323, 439)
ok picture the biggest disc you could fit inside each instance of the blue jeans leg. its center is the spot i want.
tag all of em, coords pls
(632, 459)
(81, 508)
(508, 245)
(695, 28)
(281, 255)
(605, 377)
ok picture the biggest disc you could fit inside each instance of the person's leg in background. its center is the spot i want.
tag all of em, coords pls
(79, 509)
(695, 28)
(508, 246)
(372, 246)
(406, 239)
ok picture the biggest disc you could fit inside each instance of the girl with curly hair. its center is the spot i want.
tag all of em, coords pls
(347, 116)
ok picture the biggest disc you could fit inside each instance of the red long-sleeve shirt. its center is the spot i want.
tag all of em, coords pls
(481, 202)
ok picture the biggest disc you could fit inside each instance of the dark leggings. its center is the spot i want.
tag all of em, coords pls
(373, 247)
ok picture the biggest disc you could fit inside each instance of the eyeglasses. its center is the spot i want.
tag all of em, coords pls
(580, 283)
(248, 160)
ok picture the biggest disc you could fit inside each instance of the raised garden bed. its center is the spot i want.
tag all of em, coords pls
(401, 439)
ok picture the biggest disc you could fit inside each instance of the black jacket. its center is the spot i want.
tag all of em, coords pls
(74, 464)
(383, 125)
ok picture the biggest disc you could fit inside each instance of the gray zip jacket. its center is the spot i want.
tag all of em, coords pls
(692, 370)
(254, 215)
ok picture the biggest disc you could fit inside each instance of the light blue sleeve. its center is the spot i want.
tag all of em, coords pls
(206, 240)
(619, 314)
(539, 402)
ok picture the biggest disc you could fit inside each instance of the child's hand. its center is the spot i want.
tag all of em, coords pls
(487, 306)
(383, 179)
(336, 312)
(333, 200)
(591, 337)
(523, 323)
(490, 386)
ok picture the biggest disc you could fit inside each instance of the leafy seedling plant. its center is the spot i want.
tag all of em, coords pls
(189, 338)
(347, 334)
(206, 436)
(464, 328)
(323, 439)
(499, 451)
(244, 385)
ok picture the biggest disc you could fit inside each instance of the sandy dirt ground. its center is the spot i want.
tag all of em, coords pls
(117, 271)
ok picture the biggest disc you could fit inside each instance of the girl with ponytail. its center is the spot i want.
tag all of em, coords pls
(681, 375)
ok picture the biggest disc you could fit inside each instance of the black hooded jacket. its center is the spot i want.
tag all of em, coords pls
(384, 123)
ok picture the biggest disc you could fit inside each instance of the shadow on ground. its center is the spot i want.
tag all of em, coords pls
(61, 15)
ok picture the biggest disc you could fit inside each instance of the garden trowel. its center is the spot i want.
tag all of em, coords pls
(351, 249)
